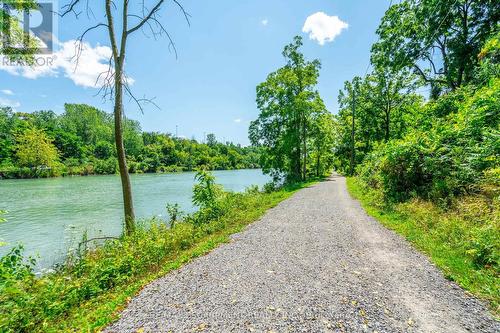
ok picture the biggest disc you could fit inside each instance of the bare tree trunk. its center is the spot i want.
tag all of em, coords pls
(119, 59)
(128, 204)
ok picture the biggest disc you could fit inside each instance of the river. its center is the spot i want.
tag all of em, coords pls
(50, 216)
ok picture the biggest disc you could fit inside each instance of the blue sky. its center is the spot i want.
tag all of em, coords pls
(227, 50)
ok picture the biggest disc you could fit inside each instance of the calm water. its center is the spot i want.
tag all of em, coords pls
(49, 216)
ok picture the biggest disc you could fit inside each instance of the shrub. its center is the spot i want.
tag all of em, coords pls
(106, 167)
(450, 158)
(175, 213)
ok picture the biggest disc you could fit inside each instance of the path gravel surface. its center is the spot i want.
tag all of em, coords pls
(314, 263)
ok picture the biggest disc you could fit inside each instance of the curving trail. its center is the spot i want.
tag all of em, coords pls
(314, 263)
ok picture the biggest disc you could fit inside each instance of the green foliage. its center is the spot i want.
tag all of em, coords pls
(35, 150)
(293, 119)
(105, 167)
(14, 267)
(85, 293)
(489, 58)
(433, 174)
(385, 106)
(209, 197)
(444, 159)
(445, 35)
(84, 138)
(443, 148)
(175, 213)
(104, 150)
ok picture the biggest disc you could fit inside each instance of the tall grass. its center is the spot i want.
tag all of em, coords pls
(462, 240)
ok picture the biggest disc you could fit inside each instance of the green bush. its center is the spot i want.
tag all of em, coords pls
(447, 159)
(106, 167)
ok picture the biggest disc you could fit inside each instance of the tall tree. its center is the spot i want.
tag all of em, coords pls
(388, 91)
(445, 36)
(384, 101)
(115, 84)
(211, 139)
(322, 135)
(286, 100)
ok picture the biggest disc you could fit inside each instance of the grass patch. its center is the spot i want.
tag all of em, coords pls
(462, 241)
(87, 293)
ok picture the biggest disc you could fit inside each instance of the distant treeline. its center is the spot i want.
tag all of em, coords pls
(81, 142)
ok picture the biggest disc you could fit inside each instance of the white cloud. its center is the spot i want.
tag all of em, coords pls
(237, 120)
(323, 28)
(7, 92)
(5, 102)
(264, 22)
(88, 71)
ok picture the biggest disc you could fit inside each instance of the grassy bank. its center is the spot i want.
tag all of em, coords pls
(462, 240)
(87, 292)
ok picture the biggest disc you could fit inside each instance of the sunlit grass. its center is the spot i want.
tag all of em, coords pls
(450, 238)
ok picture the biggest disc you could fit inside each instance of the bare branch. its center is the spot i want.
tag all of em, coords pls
(70, 8)
(139, 101)
(154, 11)
(146, 18)
(186, 14)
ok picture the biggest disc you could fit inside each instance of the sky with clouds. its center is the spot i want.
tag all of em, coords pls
(228, 48)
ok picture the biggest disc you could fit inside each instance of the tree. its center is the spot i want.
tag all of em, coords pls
(388, 93)
(35, 149)
(323, 136)
(9, 123)
(211, 140)
(115, 83)
(88, 123)
(384, 102)
(287, 100)
(446, 35)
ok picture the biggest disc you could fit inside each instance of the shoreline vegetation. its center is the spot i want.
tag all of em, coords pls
(80, 142)
(86, 292)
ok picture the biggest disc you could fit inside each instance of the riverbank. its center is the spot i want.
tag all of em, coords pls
(86, 293)
(462, 240)
(102, 168)
(51, 215)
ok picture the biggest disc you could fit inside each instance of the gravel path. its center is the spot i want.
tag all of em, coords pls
(314, 263)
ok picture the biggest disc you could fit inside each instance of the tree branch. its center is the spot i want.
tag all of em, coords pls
(146, 18)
